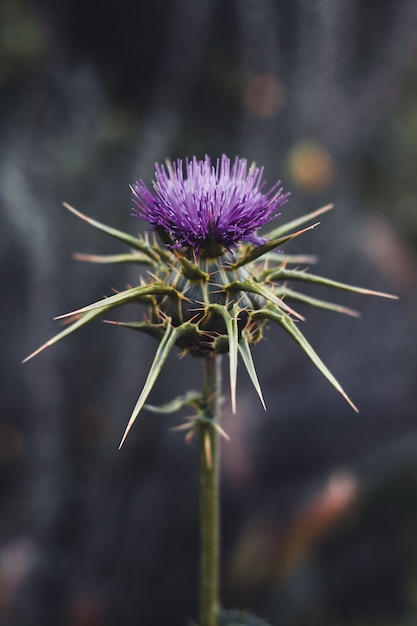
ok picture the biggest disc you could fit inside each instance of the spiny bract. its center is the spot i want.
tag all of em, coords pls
(212, 284)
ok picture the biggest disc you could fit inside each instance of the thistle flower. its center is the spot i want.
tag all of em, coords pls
(212, 209)
(213, 283)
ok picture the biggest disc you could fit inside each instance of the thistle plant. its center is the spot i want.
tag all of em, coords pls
(212, 286)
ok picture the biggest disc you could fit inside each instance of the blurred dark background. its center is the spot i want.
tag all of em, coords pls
(319, 504)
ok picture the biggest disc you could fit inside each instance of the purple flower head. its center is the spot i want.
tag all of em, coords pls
(212, 208)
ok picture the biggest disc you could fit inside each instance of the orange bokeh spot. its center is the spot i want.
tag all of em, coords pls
(311, 166)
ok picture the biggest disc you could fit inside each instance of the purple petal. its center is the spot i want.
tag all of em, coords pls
(223, 203)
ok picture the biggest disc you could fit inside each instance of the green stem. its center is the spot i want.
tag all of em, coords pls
(209, 495)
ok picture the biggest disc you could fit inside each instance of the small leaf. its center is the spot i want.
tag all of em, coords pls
(290, 259)
(142, 259)
(287, 323)
(190, 270)
(133, 242)
(167, 343)
(286, 274)
(81, 321)
(255, 253)
(232, 331)
(245, 352)
(191, 398)
(154, 330)
(130, 295)
(316, 302)
(289, 226)
(161, 355)
(292, 329)
(260, 290)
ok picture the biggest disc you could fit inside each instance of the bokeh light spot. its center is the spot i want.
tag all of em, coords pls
(264, 95)
(311, 166)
